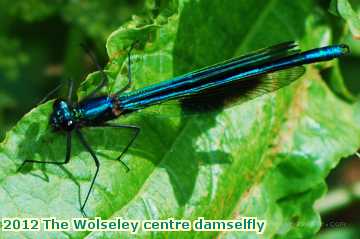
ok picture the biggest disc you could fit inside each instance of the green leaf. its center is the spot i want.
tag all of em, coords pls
(337, 84)
(351, 16)
(266, 158)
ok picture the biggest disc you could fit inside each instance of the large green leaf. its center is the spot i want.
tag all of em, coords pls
(266, 158)
(350, 14)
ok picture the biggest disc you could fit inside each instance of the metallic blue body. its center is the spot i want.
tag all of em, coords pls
(97, 107)
(87, 113)
(214, 77)
(244, 69)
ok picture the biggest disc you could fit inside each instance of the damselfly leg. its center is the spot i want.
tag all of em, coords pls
(68, 136)
(87, 146)
(104, 79)
(136, 131)
(47, 96)
(67, 155)
(127, 86)
(97, 164)
(102, 84)
(70, 91)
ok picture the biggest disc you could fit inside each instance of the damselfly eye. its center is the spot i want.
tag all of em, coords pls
(62, 117)
(54, 122)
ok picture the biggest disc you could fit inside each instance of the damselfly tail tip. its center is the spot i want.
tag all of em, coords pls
(335, 51)
(345, 49)
(340, 49)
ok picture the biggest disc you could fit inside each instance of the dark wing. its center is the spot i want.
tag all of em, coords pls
(229, 67)
(257, 57)
(229, 95)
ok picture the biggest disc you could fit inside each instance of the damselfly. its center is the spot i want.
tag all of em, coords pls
(247, 76)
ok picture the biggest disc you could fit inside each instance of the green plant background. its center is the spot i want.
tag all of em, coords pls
(267, 158)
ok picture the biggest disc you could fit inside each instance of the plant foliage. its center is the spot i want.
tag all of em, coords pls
(266, 158)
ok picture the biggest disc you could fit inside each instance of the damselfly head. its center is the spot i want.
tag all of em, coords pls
(62, 117)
